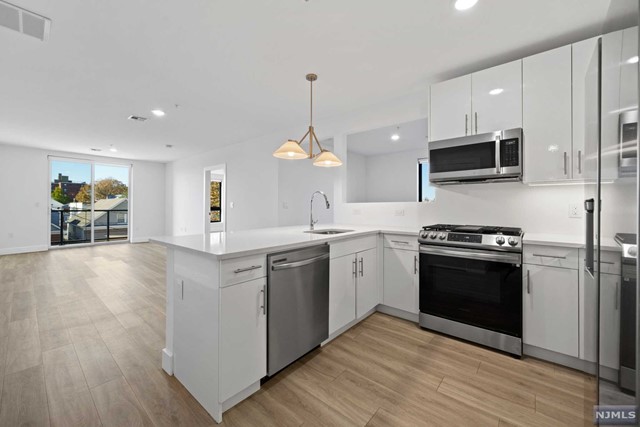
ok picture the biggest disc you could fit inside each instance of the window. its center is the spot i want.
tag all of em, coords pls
(426, 191)
(215, 207)
(121, 218)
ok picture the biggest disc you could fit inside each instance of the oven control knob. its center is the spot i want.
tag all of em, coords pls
(513, 241)
(500, 240)
(633, 251)
(424, 234)
(433, 235)
(442, 236)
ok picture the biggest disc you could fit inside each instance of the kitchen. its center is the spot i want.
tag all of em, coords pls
(488, 283)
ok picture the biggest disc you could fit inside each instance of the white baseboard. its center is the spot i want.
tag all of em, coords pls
(396, 312)
(24, 250)
(346, 327)
(559, 358)
(139, 240)
(240, 396)
(167, 361)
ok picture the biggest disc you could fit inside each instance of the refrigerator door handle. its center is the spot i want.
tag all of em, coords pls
(589, 209)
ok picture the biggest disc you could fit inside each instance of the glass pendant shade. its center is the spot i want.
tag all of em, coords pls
(327, 159)
(290, 150)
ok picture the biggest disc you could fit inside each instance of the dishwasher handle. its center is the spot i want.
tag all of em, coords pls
(276, 267)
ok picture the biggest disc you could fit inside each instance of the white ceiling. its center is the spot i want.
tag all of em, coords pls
(237, 67)
(375, 142)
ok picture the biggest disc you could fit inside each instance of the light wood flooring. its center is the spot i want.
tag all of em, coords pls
(81, 332)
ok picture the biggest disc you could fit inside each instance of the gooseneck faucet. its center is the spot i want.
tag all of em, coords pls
(311, 221)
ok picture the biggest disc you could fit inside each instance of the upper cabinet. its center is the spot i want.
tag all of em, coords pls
(450, 109)
(481, 102)
(496, 98)
(546, 108)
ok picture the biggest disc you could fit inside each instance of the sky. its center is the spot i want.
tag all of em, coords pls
(81, 172)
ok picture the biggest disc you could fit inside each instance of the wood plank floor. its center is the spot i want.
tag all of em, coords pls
(81, 332)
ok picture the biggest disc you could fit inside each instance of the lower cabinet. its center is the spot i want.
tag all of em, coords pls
(243, 336)
(353, 287)
(551, 308)
(401, 279)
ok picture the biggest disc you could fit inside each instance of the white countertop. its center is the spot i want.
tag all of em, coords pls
(567, 241)
(247, 242)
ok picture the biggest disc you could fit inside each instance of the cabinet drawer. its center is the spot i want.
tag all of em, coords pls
(351, 246)
(399, 241)
(240, 270)
(610, 262)
(553, 256)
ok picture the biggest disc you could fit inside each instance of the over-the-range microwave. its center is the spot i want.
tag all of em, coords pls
(493, 156)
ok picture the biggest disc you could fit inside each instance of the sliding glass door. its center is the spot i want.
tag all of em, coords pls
(89, 202)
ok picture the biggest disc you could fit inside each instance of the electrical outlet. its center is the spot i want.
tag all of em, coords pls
(574, 211)
(399, 212)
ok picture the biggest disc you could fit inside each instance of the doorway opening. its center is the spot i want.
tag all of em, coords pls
(215, 213)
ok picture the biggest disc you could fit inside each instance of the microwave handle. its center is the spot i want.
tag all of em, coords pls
(498, 168)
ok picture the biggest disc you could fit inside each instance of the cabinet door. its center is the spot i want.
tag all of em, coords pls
(497, 98)
(610, 320)
(367, 282)
(582, 55)
(551, 308)
(610, 101)
(546, 104)
(342, 291)
(450, 108)
(243, 336)
(401, 279)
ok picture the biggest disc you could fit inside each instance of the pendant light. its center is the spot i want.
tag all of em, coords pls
(291, 150)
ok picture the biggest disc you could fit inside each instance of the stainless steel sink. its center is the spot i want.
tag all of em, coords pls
(328, 231)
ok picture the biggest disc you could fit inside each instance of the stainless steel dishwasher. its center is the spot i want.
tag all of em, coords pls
(297, 304)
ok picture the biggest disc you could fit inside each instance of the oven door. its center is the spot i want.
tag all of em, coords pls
(474, 287)
(491, 155)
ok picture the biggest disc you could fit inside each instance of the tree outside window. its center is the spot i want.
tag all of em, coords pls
(215, 208)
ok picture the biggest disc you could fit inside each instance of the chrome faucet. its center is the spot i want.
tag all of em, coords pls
(311, 221)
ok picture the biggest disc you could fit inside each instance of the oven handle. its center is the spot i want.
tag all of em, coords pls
(508, 258)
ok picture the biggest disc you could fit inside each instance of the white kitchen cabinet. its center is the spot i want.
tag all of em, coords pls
(496, 98)
(546, 101)
(243, 336)
(585, 86)
(401, 279)
(450, 108)
(342, 291)
(366, 282)
(550, 309)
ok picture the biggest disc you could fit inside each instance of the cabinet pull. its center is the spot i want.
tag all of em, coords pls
(399, 242)
(242, 270)
(182, 289)
(564, 162)
(355, 267)
(528, 283)
(603, 262)
(617, 296)
(466, 125)
(580, 162)
(550, 256)
(263, 291)
(361, 267)
(476, 124)
(415, 264)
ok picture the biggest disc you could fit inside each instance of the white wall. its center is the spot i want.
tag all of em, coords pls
(25, 191)
(394, 177)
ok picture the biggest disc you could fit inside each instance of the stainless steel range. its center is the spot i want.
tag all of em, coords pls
(471, 283)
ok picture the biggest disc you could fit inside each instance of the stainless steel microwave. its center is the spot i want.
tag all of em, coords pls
(628, 138)
(493, 156)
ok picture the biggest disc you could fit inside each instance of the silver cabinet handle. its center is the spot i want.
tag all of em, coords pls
(498, 168)
(603, 262)
(580, 162)
(242, 270)
(182, 289)
(361, 267)
(564, 162)
(466, 125)
(263, 291)
(415, 264)
(550, 256)
(528, 283)
(302, 263)
(617, 296)
(399, 242)
(355, 267)
(476, 116)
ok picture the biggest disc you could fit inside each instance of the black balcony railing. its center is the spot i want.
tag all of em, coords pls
(73, 226)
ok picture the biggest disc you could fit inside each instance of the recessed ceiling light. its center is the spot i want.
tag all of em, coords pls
(465, 4)
(496, 91)
(113, 149)
(158, 113)
(395, 137)
(632, 60)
